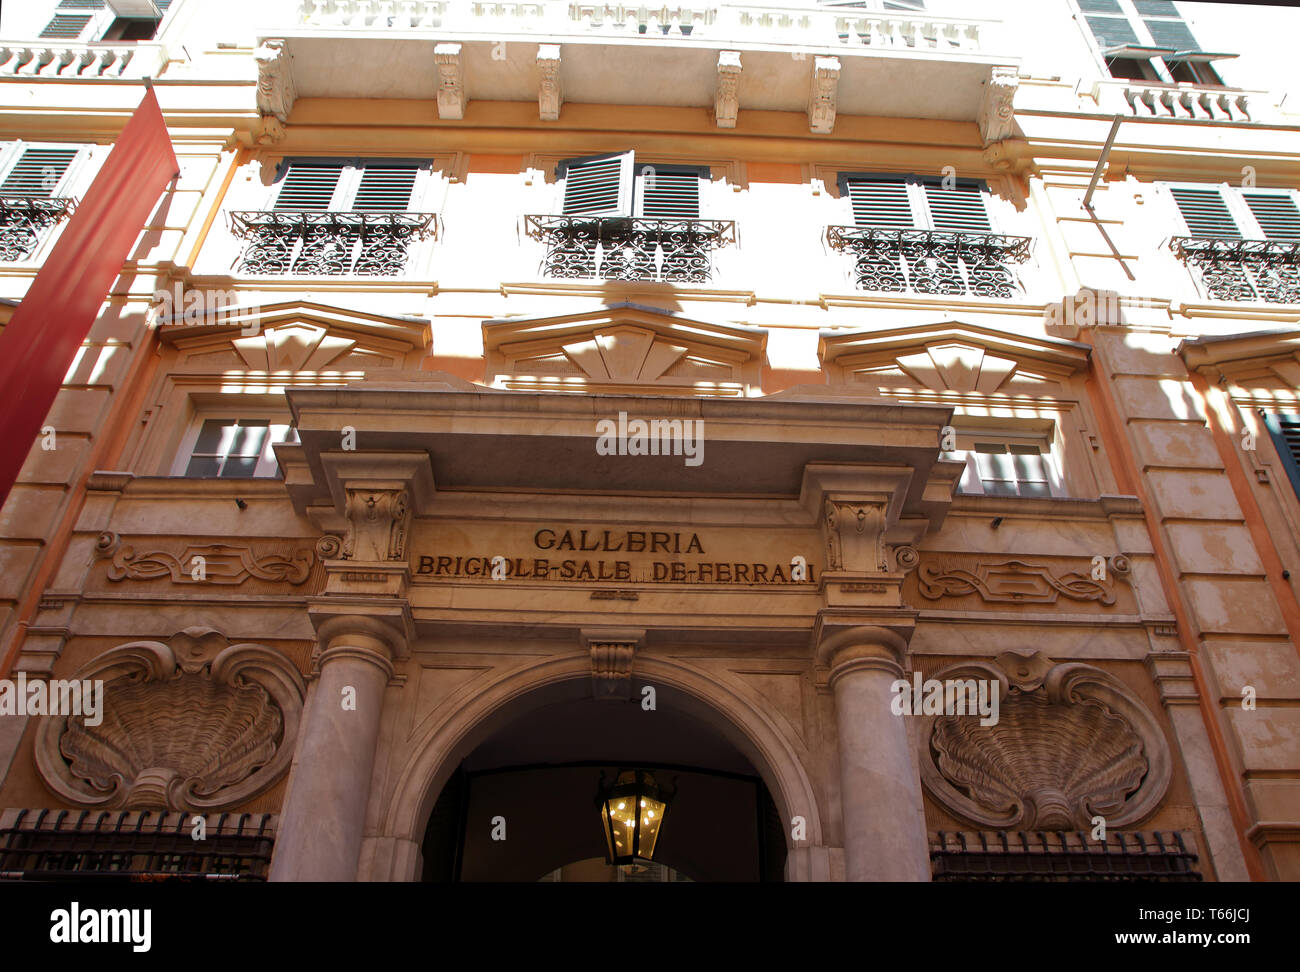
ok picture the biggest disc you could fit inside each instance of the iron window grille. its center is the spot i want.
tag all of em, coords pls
(926, 236)
(29, 206)
(1244, 244)
(624, 221)
(1062, 856)
(336, 217)
(67, 845)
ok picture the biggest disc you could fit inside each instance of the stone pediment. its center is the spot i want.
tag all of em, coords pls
(1262, 360)
(950, 357)
(623, 348)
(295, 336)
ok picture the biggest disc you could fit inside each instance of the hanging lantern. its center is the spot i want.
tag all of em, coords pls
(632, 814)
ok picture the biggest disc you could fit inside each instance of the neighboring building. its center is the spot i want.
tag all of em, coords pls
(553, 390)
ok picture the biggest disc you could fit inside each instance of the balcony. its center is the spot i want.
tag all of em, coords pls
(24, 221)
(1243, 270)
(930, 262)
(27, 59)
(1147, 99)
(896, 64)
(329, 244)
(619, 248)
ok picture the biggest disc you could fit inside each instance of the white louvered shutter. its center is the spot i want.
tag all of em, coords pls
(385, 189)
(308, 186)
(598, 186)
(1109, 24)
(880, 203)
(957, 209)
(1205, 212)
(38, 172)
(668, 193)
(1277, 215)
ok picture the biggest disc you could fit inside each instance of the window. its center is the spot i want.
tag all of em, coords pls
(614, 185)
(913, 202)
(1148, 40)
(1007, 464)
(34, 181)
(1225, 212)
(106, 20)
(926, 235)
(233, 448)
(1243, 244)
(338, 216)
(624, 220)
(1284, 430)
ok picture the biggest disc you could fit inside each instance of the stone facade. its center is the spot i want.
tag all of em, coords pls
(730, 460)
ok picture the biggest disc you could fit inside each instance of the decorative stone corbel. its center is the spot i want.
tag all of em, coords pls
(996, 114)
(275, 88)
(855, 536)
(612, 651)
(451, 81)
(727, 103)
(821, 99)
(272, 131)
(550, 96)
(379, 522)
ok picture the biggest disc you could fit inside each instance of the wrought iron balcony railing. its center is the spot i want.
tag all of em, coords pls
(24, 221)
(623, 248)
(930, 262)
(329, 244)
(1265, 270)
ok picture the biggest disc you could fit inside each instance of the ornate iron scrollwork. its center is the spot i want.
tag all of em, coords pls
(330, 243)
(1266, 270)
(931, 262)
(23, 222)
(624, 248)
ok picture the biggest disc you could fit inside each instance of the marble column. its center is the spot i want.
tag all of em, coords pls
(324, 815)
(880, 787)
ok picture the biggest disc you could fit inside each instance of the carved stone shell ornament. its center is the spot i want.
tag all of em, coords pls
(194, 724)
(1071, 742)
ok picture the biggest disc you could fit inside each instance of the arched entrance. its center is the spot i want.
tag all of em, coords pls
(529, 748)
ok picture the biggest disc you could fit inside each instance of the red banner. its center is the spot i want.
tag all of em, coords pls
(41, 340)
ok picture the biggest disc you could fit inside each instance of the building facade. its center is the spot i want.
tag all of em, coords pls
(876, 423)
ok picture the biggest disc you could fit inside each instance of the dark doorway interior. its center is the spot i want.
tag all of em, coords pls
(536, 782)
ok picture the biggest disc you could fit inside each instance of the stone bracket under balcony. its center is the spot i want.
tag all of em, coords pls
(629, 248)
(24, 221)
(931, 262)
(1243, 270)
(313, 244)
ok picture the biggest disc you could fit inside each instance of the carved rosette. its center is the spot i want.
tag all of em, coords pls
(379, 521)
(1071, 742)
(195, 724)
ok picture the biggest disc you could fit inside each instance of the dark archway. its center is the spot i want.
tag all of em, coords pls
(537, 779)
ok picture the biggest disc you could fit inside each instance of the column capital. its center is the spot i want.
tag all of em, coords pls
(842, 648)
(379, 630)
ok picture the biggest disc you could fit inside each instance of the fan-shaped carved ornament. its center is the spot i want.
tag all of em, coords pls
(195, 724)
(1071, 742)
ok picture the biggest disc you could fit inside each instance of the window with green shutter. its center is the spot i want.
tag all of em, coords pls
(38, 171)
(1229, 213)
(343, 185)
(34, 195)
(1284, 430)
(1148, 40)
(916, 202)
(616, 185)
